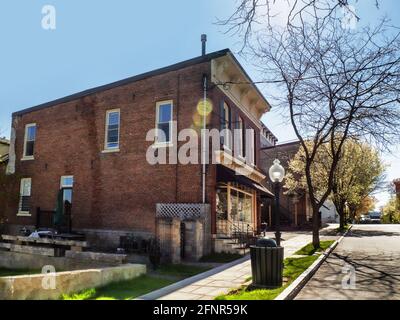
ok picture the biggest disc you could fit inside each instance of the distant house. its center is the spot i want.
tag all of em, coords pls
(4, 150)
(296, 210)
(396, 183)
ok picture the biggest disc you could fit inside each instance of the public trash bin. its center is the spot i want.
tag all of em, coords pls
(266, 264)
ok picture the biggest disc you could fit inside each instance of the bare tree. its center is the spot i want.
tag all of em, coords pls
(251, 14)
(336, 83)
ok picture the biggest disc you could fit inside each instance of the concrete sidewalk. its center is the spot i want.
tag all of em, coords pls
(211, 284)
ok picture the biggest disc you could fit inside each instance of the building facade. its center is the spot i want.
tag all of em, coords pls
(94, 147)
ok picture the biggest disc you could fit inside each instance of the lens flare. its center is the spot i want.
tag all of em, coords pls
(204, 107)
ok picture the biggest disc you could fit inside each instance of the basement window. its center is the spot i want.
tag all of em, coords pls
(112, 130)
(24, 207)
(29, 143)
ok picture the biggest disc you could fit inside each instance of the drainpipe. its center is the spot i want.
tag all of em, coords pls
(204, 137)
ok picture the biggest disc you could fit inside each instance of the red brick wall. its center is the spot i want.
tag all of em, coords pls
(115, 190)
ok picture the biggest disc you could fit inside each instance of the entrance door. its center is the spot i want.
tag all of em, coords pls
(66, 187)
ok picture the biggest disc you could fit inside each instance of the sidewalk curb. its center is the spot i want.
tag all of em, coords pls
(294, 288)
(154, 295)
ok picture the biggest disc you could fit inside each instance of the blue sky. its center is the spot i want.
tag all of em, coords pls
(100, 41)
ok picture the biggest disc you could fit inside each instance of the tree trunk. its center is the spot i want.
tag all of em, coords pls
(316, 242)
(340, 205)
(342, 220)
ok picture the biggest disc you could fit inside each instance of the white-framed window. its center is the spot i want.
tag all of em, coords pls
(241, 136)
(112, 130)
(164, 112)
(67, 182)
(226, 125)
(29, 141)
(251, 145)
(24, 206)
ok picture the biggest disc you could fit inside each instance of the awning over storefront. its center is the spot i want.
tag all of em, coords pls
(226, 175)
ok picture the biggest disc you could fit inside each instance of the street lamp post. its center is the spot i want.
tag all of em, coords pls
(276, 174)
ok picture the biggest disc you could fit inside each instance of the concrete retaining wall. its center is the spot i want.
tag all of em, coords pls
(40, 287)
(17, 260)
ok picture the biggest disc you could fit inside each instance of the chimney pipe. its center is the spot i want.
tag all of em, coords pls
(203, 44)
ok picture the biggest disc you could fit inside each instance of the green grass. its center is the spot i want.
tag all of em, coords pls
(309, 249)
(223, 257)
(17, 272)
(293, 267)
(134, 288)
(122, 290)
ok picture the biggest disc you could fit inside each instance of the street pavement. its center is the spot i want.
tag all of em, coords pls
(364, 266)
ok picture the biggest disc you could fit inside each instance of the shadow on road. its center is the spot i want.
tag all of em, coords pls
(371, 233)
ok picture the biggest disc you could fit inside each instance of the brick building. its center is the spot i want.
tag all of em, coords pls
(4, 147)
(396, 183)
(92, 146)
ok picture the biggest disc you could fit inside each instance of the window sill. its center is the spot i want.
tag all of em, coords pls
(23, 214)
(28, 158)
(111, 150)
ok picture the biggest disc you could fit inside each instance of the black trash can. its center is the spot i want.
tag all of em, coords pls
(266, 264)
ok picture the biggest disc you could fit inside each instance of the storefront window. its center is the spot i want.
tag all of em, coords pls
(240, 203)
(222, 204)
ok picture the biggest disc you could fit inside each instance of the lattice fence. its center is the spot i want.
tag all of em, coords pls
(183, 211)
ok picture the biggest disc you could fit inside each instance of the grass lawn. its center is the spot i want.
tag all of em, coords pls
(180, 270)
(293, 267)
(125, 290)
(122, 290)
(309, 249)
(16, 272)
(221, 257)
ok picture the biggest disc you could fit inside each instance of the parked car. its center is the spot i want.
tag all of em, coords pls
(365, 219)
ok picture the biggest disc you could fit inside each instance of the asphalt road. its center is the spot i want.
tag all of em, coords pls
(364, 266)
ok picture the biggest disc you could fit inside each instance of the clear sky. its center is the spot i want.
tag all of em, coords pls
(99, 41)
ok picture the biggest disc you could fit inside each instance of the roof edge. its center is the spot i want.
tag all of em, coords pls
(115, 84)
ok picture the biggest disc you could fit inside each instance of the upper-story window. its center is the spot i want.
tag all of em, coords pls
(29, 143)
(112, 130)
(251, 143)
(164, 122)
(241, 137)
(226, 125)
(24, 206)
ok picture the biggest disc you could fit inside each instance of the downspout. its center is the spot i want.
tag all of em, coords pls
(204, 138)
